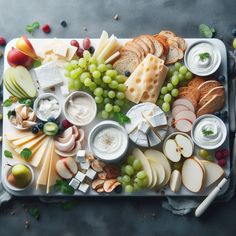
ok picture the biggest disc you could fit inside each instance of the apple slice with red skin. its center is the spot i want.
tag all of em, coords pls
(178, 109)
(66, 167)
(24, 45)
(183, 125)
(184, 102)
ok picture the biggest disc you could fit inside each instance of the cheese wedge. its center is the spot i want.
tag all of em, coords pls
(43, 175)
(25, 139)
(145, 83)
(111, 47)
(52, 174)
(40, 154)
(17, 135)
(71, 52)
(60, 49)
(102, 43)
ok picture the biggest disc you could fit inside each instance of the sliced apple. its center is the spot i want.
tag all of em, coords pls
(71, 153)
(154, 176)
(184, 102)
(175, 181)
(138, 154)
(183, 125)
(172, 151)
(158, 156)
(66, 167)
(24, 45)
(192, 175)
(213, 172)
(65, 146)
(177, 109)
(189, 115)
(186, 146)
(24, 80)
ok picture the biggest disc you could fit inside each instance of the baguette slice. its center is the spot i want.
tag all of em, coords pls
(173, 55)
(167, 33)
(192, 175)
(159, 51)
(213, 172)
(143, 45)
(163, 40)
(129, 46)
(146, 39)
(181, 43)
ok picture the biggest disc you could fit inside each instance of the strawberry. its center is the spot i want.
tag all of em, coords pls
(2, 41)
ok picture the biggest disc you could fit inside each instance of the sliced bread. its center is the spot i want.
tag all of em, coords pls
(159, 51)
(205, 87)
(149, 43)
(167, 33)
(143, 45)
(173, 55)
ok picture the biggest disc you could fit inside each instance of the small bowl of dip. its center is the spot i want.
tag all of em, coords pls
(209, 132)
(47, 105)
(108, 141)
(80, 108)
(202, 58)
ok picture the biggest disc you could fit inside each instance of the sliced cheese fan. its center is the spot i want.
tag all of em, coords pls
(145, 83)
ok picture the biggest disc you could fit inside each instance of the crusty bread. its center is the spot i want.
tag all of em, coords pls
(146, 39)
(159, 51)
(128, 61)
(181, 43)
(173, 55)
(205, 87)
(215, 91)
(196, 82)
(216, 103)
(143, 45)
(137, 46)
(181, 54)
(131, 47)
(163, 40)
(167, 33)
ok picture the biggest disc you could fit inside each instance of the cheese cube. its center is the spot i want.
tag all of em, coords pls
(142, 139)
(90, 173)
(80, 176)
(80, 157)
(74, 183)
(64, 90)
(153, 139)
(143, 126)
(85, 165)
(83, 187)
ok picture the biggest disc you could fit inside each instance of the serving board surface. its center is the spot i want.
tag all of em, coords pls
(31, 191)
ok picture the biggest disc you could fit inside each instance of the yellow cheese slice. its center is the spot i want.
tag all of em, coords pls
(33, 145)
(60, 49)
(17, 135)
(39, 155)
(25, 139)
(52, 174)
(71, 52)
(43, 175)
(112, 57)
(102, 43)
(111, 47)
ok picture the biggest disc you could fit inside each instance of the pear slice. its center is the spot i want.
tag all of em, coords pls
(160, 171)
(185, 145)
(154, 176)
(172, 151)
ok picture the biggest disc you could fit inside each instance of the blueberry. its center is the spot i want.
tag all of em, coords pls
(118, 189)
(63, 23)
(35, 130)
(91, 49)
(221, 78)
(13, 113)
(51, 119)
(217, 113)
(40, 125)
(127, 73)
(234, 32)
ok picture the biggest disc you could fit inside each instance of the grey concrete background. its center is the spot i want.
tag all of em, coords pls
(130, 216)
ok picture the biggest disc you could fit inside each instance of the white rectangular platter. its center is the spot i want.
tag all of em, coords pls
(165, 192)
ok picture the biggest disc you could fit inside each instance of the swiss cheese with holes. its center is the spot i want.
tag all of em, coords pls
(145, 83)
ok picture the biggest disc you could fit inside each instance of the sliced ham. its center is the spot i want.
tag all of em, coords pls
(184, 102)
(178, 109)
(189, 115)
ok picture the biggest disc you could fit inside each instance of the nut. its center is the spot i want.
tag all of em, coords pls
(102, 175)
(112, 171)
(97, 165)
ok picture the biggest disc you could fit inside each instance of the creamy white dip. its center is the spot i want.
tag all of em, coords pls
(109, 143)
(209, 132)
(203, 65)
(80, 110)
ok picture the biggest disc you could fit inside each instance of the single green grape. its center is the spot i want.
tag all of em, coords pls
(86, 55)
(180, 77)
(87, 82)
(106, 79)
(126, 179)
(102, 67)
(77, 85)
(69, 67)
(129, 170)
(111, 73)
(109, 66)
(120, 95)
(141, 174)
(175, 73)
(105, 114)
(175, 93)
(119, 102)
(74, 63)
(203, 153)
(98, 99)
(174, 80)
(121, 88)
(165, 107)
(189, 75)
(170, 72)
(114, 84)
(138, 181)
(71, 84)
(177, 65)
(98, 81)
(137, 165)
(129, 188)
(130, 159)
(120, 78)
(92, 68)
(92, 86)
(96, 74)
(167, 98)
(183, 70)
(93, 60)
(84, 75)
(169, 86)
(116, 108)
(164, 90)
(106, 100)
(137, 188)
(82, 63)
(119, 179)
(98, 91)
(108, 107)
(145, 182)
(111, 94)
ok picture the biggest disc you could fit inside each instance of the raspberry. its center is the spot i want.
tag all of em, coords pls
(66, 124)
(219, 155)
(46, 28)
(222, 162)
(2, 41)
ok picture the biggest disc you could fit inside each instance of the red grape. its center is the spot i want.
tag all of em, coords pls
(86, 43)
(74, 43)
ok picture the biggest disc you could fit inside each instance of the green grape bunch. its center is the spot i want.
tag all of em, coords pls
(100, 80)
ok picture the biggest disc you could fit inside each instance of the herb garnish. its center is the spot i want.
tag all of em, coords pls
(7, 103)
(8, 154)
(31, 28)
(207, 132)
(34, 212)
(204, 56)
(121, 118)
(37, 63)
(26, 153)
(206, 31)
(64, 187)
